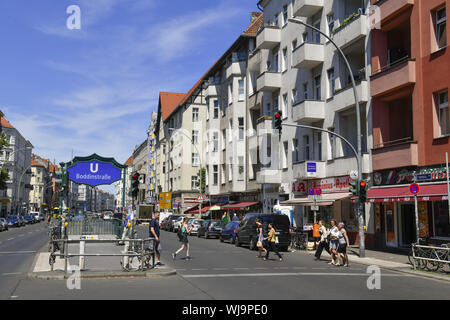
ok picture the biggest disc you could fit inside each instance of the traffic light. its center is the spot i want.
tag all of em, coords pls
(354, 187)
(362, 191)
(135, 184)
(278, 122)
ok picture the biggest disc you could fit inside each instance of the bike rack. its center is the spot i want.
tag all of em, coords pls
(414, 246)
(67, 255)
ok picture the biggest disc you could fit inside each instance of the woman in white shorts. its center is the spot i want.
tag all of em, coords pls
(334, 241)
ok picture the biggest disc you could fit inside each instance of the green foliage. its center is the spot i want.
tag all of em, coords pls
(201, 174)
(4, 176)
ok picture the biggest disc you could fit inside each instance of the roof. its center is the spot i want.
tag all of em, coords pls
(6, 123)
(168, 102)
(34, 163)
(252, 30)
(129, 162)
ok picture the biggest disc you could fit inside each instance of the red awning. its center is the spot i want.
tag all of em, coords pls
(191, 209)
(239, 206)
(204, 209)
(427, 192)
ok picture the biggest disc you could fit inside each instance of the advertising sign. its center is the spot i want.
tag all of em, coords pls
(94, 170)
(165, 200)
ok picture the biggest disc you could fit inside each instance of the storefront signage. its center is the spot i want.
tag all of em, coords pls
(220, 199)
(406, 175)
(339, 184)
(299, 187)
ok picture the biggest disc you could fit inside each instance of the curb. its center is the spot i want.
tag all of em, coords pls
(59, 275)
(423, 274)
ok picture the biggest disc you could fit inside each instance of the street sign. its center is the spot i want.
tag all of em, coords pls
(200, 198)
(318, 191)
(314, 208)
(311, 169)
(414, 188)
(311, 192)
(165, 200)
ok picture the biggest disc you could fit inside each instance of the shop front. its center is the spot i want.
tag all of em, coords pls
(394, 207)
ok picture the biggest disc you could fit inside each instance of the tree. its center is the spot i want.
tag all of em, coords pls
(201, 174)
(4, 176)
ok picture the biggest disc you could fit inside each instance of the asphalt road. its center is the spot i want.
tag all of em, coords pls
(220, 271)
(18, 247)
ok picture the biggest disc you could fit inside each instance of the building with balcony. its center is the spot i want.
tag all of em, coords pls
(41, 193)
(409, 85)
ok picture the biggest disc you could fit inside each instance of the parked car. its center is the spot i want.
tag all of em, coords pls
(196, 224)
(229, 232)
(172, 219)
(29, 219)
(13, 221)
(3, 224)
(210, 228)
(164, 223)
(247, 233)
(22, 220)
(36, 216)
(177, 223)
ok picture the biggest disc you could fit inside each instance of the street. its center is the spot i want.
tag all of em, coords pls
(17, 251)
(221, 271)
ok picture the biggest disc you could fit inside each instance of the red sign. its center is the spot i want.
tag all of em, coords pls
(200, 198)
(414, 188)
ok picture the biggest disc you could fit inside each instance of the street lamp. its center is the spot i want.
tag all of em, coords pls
(358, 132)
(201, 166)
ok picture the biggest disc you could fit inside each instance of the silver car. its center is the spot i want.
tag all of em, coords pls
(3, 224)
(195, 223)
(177, 223)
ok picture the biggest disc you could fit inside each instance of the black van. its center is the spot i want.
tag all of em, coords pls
(247, 233)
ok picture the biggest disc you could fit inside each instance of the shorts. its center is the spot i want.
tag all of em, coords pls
(334, 244)
(342, 248)
(157, 247)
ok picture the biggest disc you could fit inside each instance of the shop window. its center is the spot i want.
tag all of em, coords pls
(441, 219)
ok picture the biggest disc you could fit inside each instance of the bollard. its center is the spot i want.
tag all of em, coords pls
(82, 247)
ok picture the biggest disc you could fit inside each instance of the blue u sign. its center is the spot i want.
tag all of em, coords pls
(94, 170)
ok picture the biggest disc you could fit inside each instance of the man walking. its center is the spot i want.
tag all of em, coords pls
(154, 232)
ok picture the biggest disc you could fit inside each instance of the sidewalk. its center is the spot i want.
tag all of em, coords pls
(95, 267)
(386, 260)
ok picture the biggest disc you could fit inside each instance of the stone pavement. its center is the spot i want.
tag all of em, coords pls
(397, 261)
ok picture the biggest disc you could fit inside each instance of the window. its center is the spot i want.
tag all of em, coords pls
(317, 34)
(223, 177)
(319, 145)
(285, 14)
(284, 61)
(275, 60)
(230, 93)
(275, 20)
(294, 96)
(230, 170)
(194, 114)
(441, 33)
(194, 136)
(444, 119)
(241, 90)
(7, 155)
(317, 88)
(241, 169)
(216, 141)
(296, 155)
(241, 128)
(216, 109)
(285, 154)
(294, 44)
(305, 37)
(230, 130)
(330, 20)
(194, 180)
(215, 175)
(332, 138)
(305, 91)
(224, 138)
(331, 86)
(195, 159)
(306, 150)
(284, 105)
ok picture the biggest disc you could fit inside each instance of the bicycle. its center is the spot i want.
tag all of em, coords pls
(299, 240)
(419, 252)
(438, 254)
(134, 262)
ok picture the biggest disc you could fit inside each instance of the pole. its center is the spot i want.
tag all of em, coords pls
(448, 184)
(358, 205)
(124, 170)
(417, 217)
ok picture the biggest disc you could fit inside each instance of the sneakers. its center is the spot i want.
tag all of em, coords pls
(188, 258)
(174, 255)
(159, 264)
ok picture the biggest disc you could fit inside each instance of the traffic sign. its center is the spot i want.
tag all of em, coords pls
(414, 188)
(318, 191)
(200, 198)
(311, 192)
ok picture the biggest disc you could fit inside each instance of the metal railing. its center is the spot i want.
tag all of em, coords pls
(95, 226)
(141, 252)
(437, 256)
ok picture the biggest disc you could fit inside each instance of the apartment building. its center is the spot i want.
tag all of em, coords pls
(41, 194)
(16, 159)
(151, 161)
(409, 85)
(140, 157)
(121, 194)
(230, 176)
(301, 73)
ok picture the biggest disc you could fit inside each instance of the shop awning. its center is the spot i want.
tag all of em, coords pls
(191, 209)
(326, 199)
(427, 192)
(204, 209)
(239, 206)
(215, 208)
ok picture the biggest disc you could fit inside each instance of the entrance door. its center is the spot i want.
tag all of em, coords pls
(390, 218)
(408, 224)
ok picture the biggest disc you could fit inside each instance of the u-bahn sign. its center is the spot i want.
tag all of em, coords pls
(94, 170)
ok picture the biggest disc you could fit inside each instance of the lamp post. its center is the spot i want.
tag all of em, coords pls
(18, 187)
(201, 167)
(358, 133)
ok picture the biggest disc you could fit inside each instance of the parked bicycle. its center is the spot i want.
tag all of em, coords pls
(134, 262)
(441, 257)
(299, 240)
(428, 256)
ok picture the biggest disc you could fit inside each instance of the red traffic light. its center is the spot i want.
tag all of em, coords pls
(136, 175)
(362, 184)
(278, 115)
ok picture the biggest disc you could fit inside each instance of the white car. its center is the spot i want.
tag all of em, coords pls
(177, 224)
(196, 223)
(36, 215)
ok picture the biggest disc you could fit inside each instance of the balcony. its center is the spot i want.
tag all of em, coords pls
(253, 143)
(354, 29)
(391, 79)
(268, 37)
(211, 90)
(388, 9)
(264, 126)
(255, 100)
(268, 176)
(254, 61)
(344, 98)
(308, 111)
(308, 55)
(300, 170)
(307, 8)
(395, 155)
(269, 81)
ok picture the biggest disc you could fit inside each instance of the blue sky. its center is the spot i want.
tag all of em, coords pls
(93, 90)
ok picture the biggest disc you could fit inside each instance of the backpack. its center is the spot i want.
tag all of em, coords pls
(180, 234)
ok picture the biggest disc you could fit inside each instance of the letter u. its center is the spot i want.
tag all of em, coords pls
(92, 167)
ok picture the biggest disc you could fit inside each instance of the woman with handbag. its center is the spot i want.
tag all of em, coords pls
(272, 245)
(259, 244)
(185, 229)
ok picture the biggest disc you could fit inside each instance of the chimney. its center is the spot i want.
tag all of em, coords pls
(254, 15)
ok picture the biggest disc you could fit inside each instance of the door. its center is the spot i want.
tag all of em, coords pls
(390, 219)
(408, 224)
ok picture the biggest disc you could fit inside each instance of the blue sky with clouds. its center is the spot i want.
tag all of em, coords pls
(93, 90)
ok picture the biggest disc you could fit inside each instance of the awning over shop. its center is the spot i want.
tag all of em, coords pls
(239, 206)
(427, 192)
(192, 209)
(204, 209)
(326, 199)
(215, 208)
